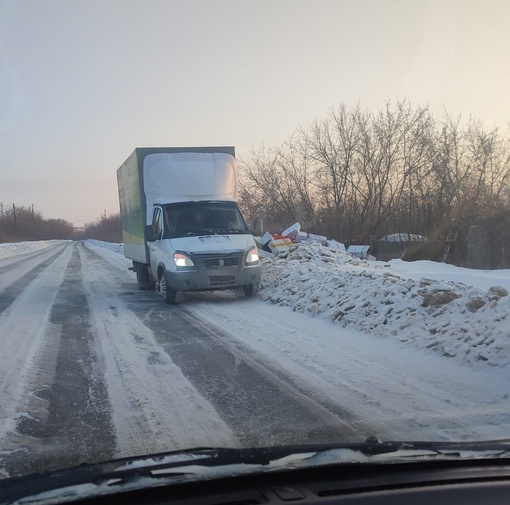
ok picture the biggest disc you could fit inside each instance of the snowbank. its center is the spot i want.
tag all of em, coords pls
(110, 246)
(15, 248)
(459, 321)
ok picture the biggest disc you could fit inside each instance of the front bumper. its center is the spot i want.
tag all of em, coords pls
(214, 272)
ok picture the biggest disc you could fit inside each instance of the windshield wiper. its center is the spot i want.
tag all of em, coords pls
(197, 231)
(233, 231)
(188, 465)
(226, 231)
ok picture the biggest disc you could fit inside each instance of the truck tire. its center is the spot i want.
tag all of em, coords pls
(143, 279)
(166, 291)
(151, 284)
(250, 289)
(141, 276)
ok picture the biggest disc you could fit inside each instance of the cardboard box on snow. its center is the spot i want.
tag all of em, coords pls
(291, 231)
(336, 245)
(265, 254)
(360, 251)
(265, 238)
(281, 244)
(300, 236)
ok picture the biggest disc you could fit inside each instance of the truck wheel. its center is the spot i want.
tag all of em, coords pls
(166, 291)
(142, 276)
(250, 289)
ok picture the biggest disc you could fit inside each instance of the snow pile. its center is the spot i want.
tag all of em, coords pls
(15, 248)
(110, 246)
(459, 321)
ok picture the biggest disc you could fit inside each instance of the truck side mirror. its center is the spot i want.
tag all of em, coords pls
(257, 227)
(149, 233)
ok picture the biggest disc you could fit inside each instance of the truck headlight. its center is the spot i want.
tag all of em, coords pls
(181, 260)
(252, 256)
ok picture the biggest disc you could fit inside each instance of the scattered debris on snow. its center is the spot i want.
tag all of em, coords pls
(275, 243)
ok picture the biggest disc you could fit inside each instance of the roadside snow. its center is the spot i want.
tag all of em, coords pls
(403, 393)
(109, 246)
(15, 248)
(458, 320)
(482, 279)
(113, 253)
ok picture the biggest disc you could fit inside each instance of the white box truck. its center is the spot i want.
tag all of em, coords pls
(181, 224)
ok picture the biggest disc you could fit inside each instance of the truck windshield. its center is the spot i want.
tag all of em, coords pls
(203, 218)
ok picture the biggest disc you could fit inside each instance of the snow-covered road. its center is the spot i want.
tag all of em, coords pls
(91, 368)
(82, 378)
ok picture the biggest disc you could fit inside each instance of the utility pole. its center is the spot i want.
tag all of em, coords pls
(15, 221)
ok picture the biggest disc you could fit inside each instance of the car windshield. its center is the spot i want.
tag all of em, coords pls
(243, 224)
(205, 218)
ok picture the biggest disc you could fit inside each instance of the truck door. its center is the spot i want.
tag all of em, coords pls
(156, 250)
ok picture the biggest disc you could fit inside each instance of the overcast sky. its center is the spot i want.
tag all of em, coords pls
(84, 82)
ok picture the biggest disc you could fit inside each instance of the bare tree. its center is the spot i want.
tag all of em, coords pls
(354, 174)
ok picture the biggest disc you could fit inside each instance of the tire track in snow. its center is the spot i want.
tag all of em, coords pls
(155, 407)
(11, 292)
(261, 406)
(24, 330)
(68, 418)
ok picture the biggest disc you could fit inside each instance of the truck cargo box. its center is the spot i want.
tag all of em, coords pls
(167, 175)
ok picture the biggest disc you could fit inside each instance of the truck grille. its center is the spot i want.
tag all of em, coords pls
(221, 269)
(221, 280)
(215, 261)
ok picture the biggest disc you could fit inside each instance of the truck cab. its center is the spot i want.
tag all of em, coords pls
(197, 246)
